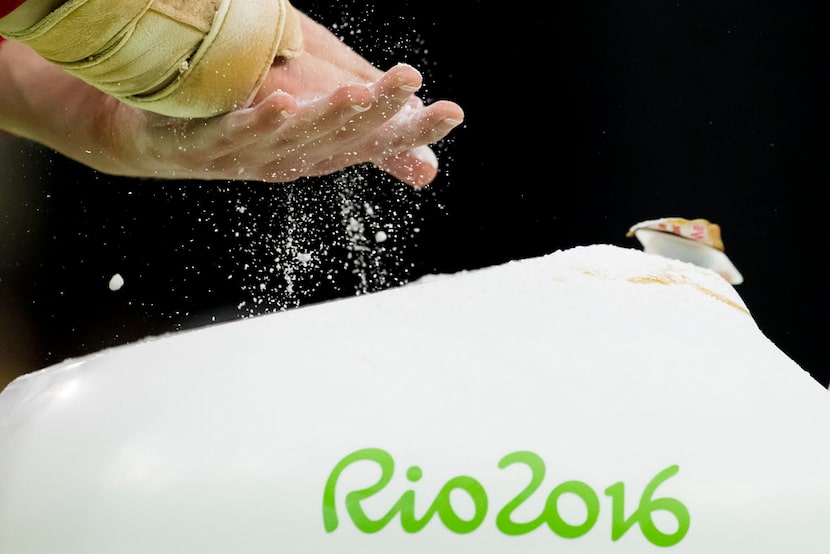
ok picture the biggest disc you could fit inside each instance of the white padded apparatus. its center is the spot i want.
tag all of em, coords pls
(182, 58)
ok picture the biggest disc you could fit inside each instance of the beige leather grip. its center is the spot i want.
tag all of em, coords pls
(182, 58)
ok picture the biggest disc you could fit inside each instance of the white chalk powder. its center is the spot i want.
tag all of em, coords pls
(116, 282)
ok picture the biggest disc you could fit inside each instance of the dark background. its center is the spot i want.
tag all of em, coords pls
(582, 119)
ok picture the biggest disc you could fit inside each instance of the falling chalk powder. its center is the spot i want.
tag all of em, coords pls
(116, 282)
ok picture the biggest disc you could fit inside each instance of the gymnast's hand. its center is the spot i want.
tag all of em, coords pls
(351, 112)
(318, 113)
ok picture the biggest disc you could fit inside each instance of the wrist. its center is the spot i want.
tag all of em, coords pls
(42, 103)
(215, 55)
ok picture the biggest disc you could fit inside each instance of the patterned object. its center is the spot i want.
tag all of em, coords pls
(696, 241)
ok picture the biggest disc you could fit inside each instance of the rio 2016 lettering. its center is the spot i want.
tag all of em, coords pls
(411, 523)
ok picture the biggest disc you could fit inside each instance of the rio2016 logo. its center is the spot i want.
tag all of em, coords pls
(442, 507)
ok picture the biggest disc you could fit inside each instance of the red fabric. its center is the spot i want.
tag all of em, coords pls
(8, 6)
(2, 132)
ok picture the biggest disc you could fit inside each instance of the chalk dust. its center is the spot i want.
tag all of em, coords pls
(261, 248)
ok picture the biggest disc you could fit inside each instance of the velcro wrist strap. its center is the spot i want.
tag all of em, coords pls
(183, 58)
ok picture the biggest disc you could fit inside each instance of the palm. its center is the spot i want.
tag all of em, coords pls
(394, 134)
(325, 64)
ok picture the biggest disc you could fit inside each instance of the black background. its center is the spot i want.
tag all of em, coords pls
(582, 118)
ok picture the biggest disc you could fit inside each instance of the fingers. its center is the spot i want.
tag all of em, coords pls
(417, 166)
(330, 132)
(398, 145)
(408, 156)
(280, 139)
(401, 147)
(197, 142)
(242, 128)
(289, 147)
(327, 116)
(394, 92)
(396, 122)
(355, 110)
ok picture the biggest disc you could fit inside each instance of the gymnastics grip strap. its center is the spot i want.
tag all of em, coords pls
(181, 58)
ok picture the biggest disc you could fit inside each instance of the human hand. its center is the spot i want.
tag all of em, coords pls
(315, 114)
(332, 110)
(280, 139)
(394, 132)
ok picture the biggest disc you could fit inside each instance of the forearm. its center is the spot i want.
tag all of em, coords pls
(41, 102)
